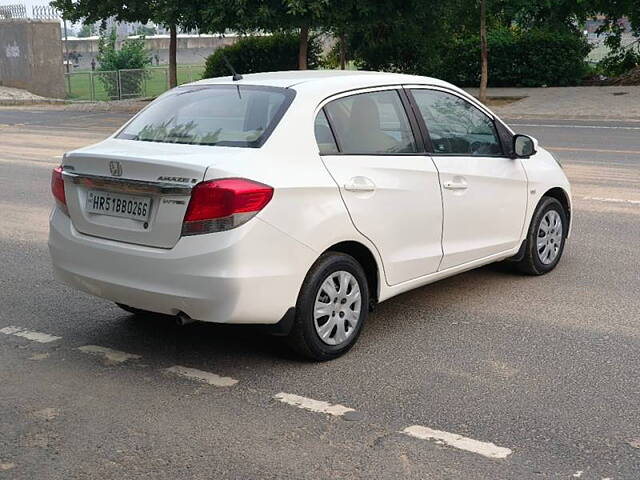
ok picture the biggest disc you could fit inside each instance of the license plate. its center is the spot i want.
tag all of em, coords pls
(118, 205)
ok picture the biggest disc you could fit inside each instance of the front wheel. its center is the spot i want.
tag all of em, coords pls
(545, 239)
(331, 309)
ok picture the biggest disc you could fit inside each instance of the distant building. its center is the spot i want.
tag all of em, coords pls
(593, 25)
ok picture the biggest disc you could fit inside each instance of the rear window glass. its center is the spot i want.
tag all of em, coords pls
(226, 115)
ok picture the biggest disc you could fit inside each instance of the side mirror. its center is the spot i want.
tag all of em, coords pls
(524, 146)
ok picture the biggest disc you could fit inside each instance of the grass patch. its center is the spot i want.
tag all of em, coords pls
(80, 85)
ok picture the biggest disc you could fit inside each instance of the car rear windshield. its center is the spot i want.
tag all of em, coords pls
(227, 115)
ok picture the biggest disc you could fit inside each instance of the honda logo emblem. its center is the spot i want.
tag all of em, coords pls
(115, 168)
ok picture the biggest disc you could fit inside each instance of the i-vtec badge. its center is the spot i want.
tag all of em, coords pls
(174, 179)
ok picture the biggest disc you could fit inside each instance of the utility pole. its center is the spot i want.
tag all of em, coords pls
(66, 43)
(66, 54)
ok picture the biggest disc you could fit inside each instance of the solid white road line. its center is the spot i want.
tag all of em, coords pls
(604, 127)
(613, 200)
(593, 150)
(485, 449)
(202, 376)
(109, 354)
(29, 334)
(312, 405)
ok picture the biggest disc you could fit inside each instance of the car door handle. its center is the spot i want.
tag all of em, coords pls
(360, 184)
(455, 186)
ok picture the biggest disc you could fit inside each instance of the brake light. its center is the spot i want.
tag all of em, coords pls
(57, 187)
(218, 205)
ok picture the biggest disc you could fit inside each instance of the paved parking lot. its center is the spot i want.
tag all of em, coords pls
(484, 375)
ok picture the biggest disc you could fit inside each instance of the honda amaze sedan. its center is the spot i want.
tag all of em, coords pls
(302, 199)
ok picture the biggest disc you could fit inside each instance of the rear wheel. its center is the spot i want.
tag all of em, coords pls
(331, 309)
(545, 239)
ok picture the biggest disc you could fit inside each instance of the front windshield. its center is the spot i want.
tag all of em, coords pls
(227, 115)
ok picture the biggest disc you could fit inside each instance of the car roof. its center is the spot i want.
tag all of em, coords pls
(326, 82)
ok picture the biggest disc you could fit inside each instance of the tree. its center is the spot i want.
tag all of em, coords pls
(188, 14)
(301, 16)
(484, 53)
(132, 56)
(85, 31)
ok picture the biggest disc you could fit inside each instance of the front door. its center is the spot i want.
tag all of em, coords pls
(484, 192)
(391, 190)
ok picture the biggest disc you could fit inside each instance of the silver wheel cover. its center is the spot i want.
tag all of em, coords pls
(336, 311)
(549, 238)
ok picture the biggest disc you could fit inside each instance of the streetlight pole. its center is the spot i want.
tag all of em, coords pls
(66, 43)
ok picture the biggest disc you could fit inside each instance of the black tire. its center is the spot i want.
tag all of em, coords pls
(303, 338)
(136, 311)
(532, 263)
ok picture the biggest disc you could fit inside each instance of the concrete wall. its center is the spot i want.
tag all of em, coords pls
(192, 49)
(31, 56)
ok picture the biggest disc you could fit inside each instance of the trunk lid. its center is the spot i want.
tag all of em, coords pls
(145, 187)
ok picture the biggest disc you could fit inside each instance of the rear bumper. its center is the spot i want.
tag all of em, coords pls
(251, 274)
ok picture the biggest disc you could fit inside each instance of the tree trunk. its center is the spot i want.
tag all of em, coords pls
(173, 41)
(484, 53)
(304, 46)
(343, 51)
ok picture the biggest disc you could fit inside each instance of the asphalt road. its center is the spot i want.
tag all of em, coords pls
(545, 369)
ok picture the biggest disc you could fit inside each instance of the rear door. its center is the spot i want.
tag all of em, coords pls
(484, 192)
(389, 186)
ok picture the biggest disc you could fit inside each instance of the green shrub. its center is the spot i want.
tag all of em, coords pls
(529, 58)
(619, 62)
(517, 58)
(268, 53)
(131, 56)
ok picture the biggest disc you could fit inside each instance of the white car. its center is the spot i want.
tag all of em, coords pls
(300, 200)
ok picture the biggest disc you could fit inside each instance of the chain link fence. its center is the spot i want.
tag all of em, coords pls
(126, 84)
(600, 50)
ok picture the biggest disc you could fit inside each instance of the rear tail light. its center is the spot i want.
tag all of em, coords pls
(57, 187)
(224, 204)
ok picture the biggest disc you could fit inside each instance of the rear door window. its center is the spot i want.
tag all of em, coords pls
(371, 123)
(227, 115)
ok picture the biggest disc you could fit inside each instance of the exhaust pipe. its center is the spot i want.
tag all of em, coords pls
(183, 319)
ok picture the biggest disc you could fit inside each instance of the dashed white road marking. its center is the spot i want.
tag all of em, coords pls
(29, 334)
(613, 200)
(202, 376)
(312, 405)
(109, 354)
(578, 474)
(486, 449)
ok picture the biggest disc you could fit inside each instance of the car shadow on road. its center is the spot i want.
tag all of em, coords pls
(199, 343)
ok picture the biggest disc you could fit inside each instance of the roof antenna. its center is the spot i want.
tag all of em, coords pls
(236, 76)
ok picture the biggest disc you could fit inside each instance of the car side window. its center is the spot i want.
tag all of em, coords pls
(324, 136)
(456, 127)
(371, 123)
